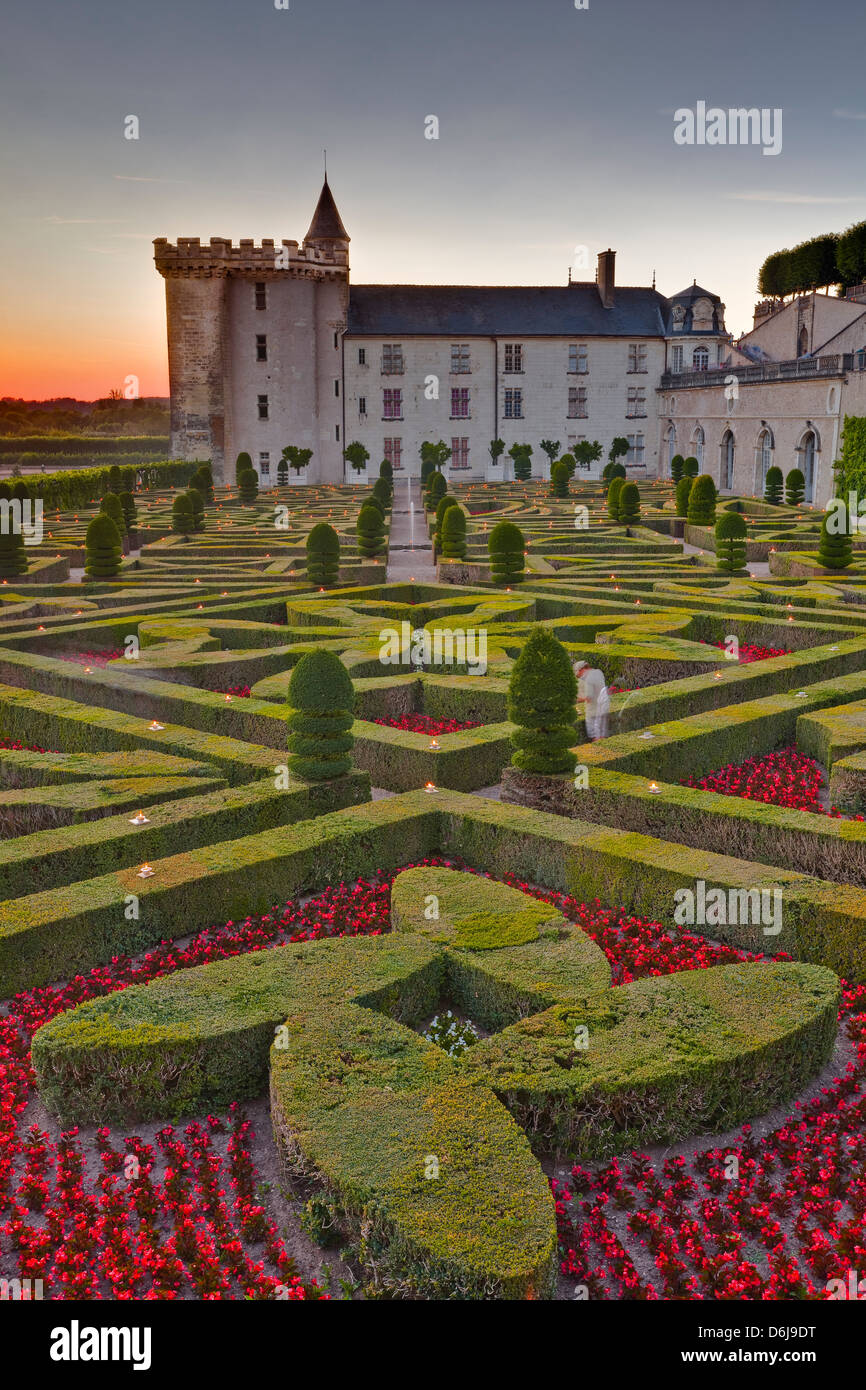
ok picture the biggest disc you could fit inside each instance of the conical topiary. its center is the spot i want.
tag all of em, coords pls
(615, 487)
(104, 548)
(370, 529)
(684, 487)
(795, 487)
(835, 548)
(702, 501)
(730, 542)
(443, 506)
(773, 486)
(436, 489)
(130, 514)
(197, 503)
(110, 505)
(248, 485)
(202, 481)
(383, 490)
(182, 518)
(541, 702)
(454, 534)
(323, 555)
(677, 463)
(386, 470)
(628, 506)
(691, 467)
(13, 554)
(114, 478)
(505, 546)
(560, 477)
(321, 701)
(242, 463)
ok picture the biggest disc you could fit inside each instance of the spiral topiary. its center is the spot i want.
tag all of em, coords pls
(835, 548)
(182, 518)
(436, 489)
(454, 534)
(560, 477)
(111, 506)
(684, 487)
(615, 487)
(628, 505)
(248, 485)
(382, 490)
(505, 546)
(130, 514)
(323, 555)
(242, 463)
(103, 548)
(197, 504)
(702, 501)
(730, 542)
(321, 701)
(773, 486)
(370, 529)
(795, 487)
(443, 506)
(202, 481)
(541, 702)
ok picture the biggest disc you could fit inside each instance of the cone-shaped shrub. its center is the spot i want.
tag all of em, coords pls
(436, 488)
(321, 703)
(377, 503)
(104, 548)
(522, 465)
(130, 514)
(684, 487)
(628, 508)
(730, 542)
(795, 488)
(505, 546)
(323, 555)
(114, 480)
(560, 477)
(382, 490)
(197, 503)
(182, 518)
(454, 534)
(773, 486)
(13, 554)
(835, 549)
(248, 485)
(442, 507)
(202, 481)
(691, 467)
(370, 528)
(386, 470)
(110, 505)
(282, 471)
(677, 465)
(541, 695)
(702, 501)
(615, 487)
(242, 463)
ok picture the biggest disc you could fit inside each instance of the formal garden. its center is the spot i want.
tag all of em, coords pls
(337, 962)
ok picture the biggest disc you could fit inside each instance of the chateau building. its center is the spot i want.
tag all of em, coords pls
(272, 345)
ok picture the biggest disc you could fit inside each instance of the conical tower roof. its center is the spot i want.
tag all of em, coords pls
(327, 225)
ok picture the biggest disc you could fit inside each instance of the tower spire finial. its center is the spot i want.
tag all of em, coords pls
(325, 156)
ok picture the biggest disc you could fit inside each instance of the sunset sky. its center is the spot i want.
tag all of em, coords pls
(556, 130)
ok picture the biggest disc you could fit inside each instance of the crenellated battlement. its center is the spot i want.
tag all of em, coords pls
(219, 257)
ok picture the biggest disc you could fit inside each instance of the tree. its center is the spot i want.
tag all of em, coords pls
(197, 504)
(442, 506)
(110, 505)
(454, 534)
(541, 701)
(13, 553)
(702, 501)
(282, 470)
(614, 488)
(182, 517)
(851, 255)
(551, 448)
(321, 701)
(618, 448)
(588, 452)
(382, 490)
(248, 485)
(103, 548)
(370, 529)
(114, 478)
(570, 462)
(505, 546)
(835, 548)
(202, 480)
(130, 515)
(730, 542)
(691, 467)
(357, 456)
(684, 487)
(677, 467)
(850, 468)
(773, 486)
(795, 487)
(559, 479)
(296, 458)
(521, 454)
(628, 506)
(386, 470)
(242, 462)
(433, 457)
(437, 487)
(496, 449)
(323, 555)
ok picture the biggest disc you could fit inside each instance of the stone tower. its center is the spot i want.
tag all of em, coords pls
(255, 346)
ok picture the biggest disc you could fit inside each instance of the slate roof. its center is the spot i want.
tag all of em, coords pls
(489, 310)
(327, 225)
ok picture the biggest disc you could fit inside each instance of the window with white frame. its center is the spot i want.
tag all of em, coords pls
(392, 404)
(637, 357)
(677, 358)
(460, 403)
(513, 404)
(460, 452)
(636, 407)
(578, 358)
(577, 403)
(635, 455)
(392, 359)
(394, 452)
(700, 359)
(460, 357)
(264, 465)
(514, 357)
(698, 441)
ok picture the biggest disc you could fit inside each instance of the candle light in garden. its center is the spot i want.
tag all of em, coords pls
(145, 871)
(140, 819)
(154, 726)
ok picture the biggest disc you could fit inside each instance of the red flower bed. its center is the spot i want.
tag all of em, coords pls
(16, 747)
(180, 1216)
(424, 724)
(240, 692)
(100, 658)
(787, 778)
(749, 652)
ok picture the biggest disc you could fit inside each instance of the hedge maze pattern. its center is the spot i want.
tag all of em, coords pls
(149, 797)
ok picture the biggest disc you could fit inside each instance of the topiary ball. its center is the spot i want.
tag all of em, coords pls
(321, 701)
(628, 505)
(505, 546)
(323, 555)
(730, 535)
(103, 548)
(702, 501)
(454, 534)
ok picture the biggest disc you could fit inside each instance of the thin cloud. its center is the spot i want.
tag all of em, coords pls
(765, 197)
(843, 114)
(82, 221)
(140, 178)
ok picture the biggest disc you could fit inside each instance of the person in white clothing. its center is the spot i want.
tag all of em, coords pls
(593, 694)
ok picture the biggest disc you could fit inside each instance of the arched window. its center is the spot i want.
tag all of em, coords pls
(700, 359)
(803, 342)
(698, 440)
(808, 452)
(672, 445)
(764, 457)
(727, 468)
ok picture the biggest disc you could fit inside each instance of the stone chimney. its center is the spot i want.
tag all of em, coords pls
(605, 277)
